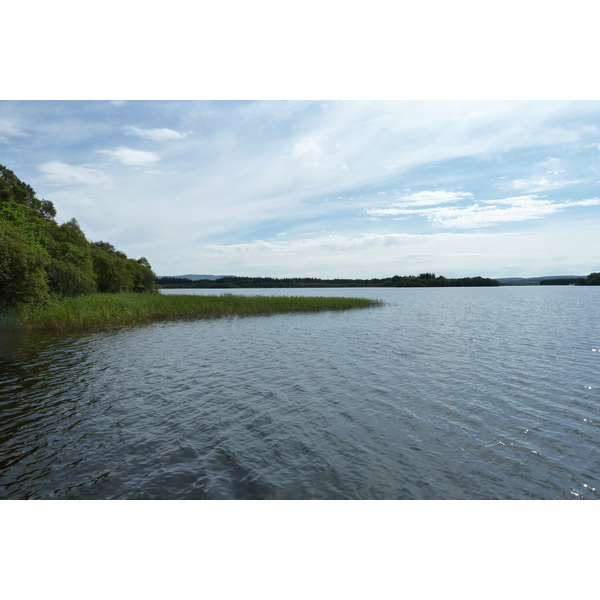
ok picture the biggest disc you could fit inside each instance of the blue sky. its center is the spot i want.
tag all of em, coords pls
(321, 188)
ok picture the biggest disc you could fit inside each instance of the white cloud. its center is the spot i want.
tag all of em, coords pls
(8, 129)
(521, 208)
(542, 182)
(321, 248)
(368, 255)
(69, 200)
(59, 172)
(129, 156)
(310, 145)
(384, 255)
(429, 198)
(482, 216)
(548, 174)
(154, 134)
(587, 202)
(528, 200)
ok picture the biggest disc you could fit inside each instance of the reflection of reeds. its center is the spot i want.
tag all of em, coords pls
(108, 310)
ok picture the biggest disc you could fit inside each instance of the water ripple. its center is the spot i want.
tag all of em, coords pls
(455, 393)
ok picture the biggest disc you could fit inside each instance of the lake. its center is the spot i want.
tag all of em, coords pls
(443, 393)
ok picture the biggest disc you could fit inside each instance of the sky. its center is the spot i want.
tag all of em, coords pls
(308, 188)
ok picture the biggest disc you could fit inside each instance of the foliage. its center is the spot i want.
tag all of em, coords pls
(559, 281)
(13, 190)
(117, 273)
(71, 271)
(40, 259)
(591, 279)
(22, 274)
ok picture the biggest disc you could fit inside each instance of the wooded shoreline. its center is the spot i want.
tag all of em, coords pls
(230, 282)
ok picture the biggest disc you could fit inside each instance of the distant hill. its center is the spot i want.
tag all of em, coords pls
(534, 280)
(196, 277)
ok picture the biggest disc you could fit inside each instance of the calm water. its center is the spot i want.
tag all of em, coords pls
(443, 394)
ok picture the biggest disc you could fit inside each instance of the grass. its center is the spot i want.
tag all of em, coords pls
(113, 310)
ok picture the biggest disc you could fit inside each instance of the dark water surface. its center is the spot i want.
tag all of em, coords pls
(457, 393)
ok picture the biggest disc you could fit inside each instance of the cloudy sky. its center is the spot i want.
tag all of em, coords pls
(325, 189)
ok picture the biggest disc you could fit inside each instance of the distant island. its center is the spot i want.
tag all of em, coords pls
(231, 282)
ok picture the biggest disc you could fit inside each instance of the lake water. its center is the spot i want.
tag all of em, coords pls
(456, 393)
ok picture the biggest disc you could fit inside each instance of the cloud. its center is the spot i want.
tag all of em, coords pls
(542, 182)
(483, 216)
(523, 201)
(366, 255)
(383, 255)
(310, 145)
(59, 172)
(429, 198)
(514, 209)
(549, 174)
(320, 247)
(8, 129)
(587, 202)
(129, 156)
(154, 134)
(70, 200)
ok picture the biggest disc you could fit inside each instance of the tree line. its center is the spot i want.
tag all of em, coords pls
(422, 280)
(560, 281)
(591, 279)
(41, 259)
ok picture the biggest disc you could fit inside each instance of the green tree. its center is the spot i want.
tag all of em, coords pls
(591, 279)
(117, 273)
(40, 258)
(22, 273)
(71, 270)
(112, 275)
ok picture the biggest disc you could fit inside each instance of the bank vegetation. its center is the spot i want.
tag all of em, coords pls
(99, 311)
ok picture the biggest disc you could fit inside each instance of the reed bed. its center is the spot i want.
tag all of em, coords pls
(113, 310)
